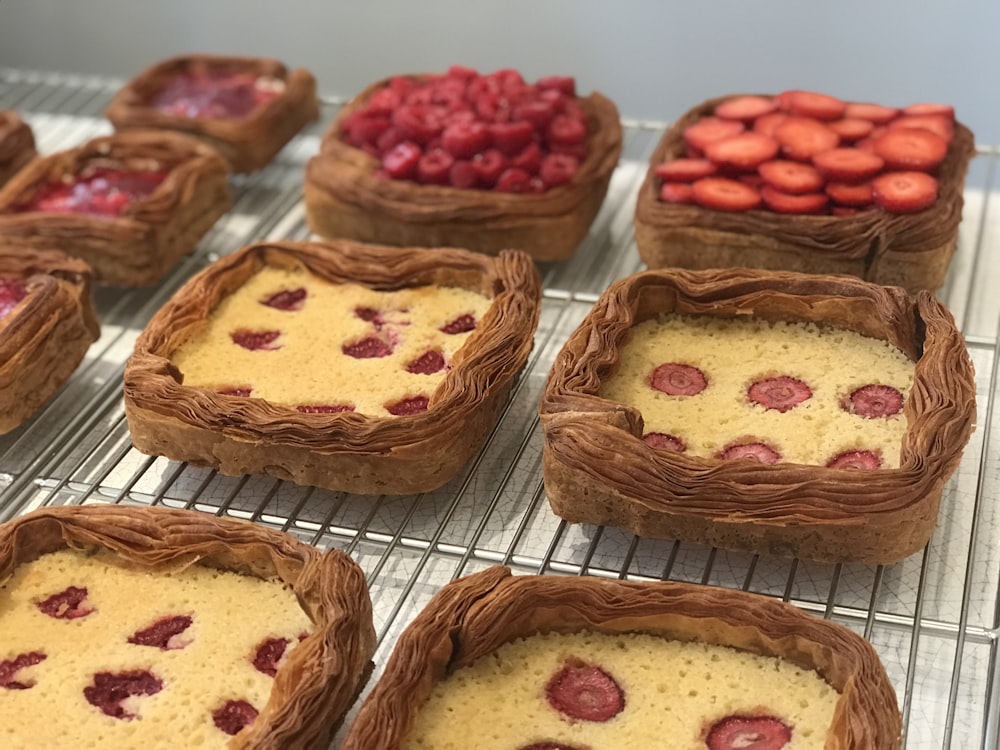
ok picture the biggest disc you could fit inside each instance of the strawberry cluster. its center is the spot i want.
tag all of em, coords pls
(467, 130)
(803, 152)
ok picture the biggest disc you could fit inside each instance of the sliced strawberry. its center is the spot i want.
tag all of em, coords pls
(557, 169)
(464, 140)
(813, 104)
(851, 129)
(267, 656)
(324, 408)
(744, 151)
(427, 363)
(110, 690)
(513, 180)
(664, 442)
(745, 108)
(848, 194)
(699, 134)
(585, 692)
(367, 348)
(801, 138)
(874, 401)
(255, 340)
(676, 192)
(875, 113)
(684, 170)
(68, 604)
(233, 716)
(461, 324)
(489, 165)
(434, 167)
(767, 124)
(739, 732)
(411, 405)
(400, 162)
(848, 164)
(855, 459)
(905, 192)
(10, 667)
(677, 379)
(792, 177)
(785, 203)
(911, 148)
(755, 451)
(930, 109)
(939, 124)
(287, 299)
(164, 634)
(724, 194)
(781, 393)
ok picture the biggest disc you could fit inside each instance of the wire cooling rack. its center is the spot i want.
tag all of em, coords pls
(933, 617)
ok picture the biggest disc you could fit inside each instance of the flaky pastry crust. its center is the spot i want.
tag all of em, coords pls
(248, 143)
(345, 451)
(345, 198)
(908, 250)
(17, 144)
(325, 672)
(599, 470)
(473, 616)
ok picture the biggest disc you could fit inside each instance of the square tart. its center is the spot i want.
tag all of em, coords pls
(348, 451)
(152, 234)
(599, 470)
(17, 144)
(345, 197)
(908, 250)
(247, 143)
(47, 333)
(471, 617)
(318, 681)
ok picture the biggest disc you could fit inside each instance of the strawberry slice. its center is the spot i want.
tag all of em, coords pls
(939, 124)
(875, 113)
(676, 192)
(801, 138)
(745, 108)
(855, 459)
(684, 170)
(911, 148)
(677, 379)
(724, 194)
(792, 177)
(874, 401)
(585, 692)
(781, 393)
(848, 164)
(851, 129)
(664, 442)
(784, 203)
(812, 104)
(755, 451)
(767, 124)
(699, 134)
(739, 732)
(744, 151)
(929, 108)
(849, 194)
(905, 192)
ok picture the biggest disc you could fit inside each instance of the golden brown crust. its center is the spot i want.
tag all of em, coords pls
(17, 144)
(345, 198)
(247, 144)
(346, 451)
(151, 235)
(599, 470)
(44, 339)
(908, 250)
(323, 674)
(473, 616)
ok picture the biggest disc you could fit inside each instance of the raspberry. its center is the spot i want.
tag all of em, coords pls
(563, 84)
(510, 137)
(676, 379)
(236, 390)
(68, 604)
(233, 716)
(11, 293)
(513, 180)
(411, 405)
(463, 175)
(109, 690)
(874, 401)
(851, 129)
(857, 459)
(755, 451)
(911, 149)
(684, 170)
(461, 324)
(812, 104)
(324, 408)
(164, 634)
(783, 203)
(361, 129)
(746, 108)
(419, 123)
(369, 315)
(781, 393)
(699, 134)
(287, 299)
(462, 72)
(383, 102)
(905, 192)
(10, 667)
(557, 169)
(848, 164)
(664, 442)
(400, 162)
(268, 655)
(389, 139)
(875, 113)
(529, 158)
(802, 138)
(464, 140)
(255, 340)
(368, 348)
(489, 165)
(676, 192)
(792, 177)
(434, 167)
(566, 129)
(723, 194)
(743, 151)
(427, 363)
(99, 192)
(539, 113)
(845, 194)
(748, 733)
(585, 692)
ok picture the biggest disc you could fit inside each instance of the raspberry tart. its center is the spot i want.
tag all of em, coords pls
(131, 204)
(247, 108)
(803, 181)
(244, 369)
(779, 413)
(47, 323)
(244, 637)
(564, 663)
(462, 159)
(17, 144)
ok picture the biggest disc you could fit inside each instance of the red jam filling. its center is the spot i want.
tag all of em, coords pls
(100, 192)
(218, 95)
(12, 292)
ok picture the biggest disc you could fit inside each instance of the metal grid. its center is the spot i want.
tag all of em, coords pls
(933, 618)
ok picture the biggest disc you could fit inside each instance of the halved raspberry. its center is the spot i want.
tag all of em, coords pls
(489, 165)
(585, 692)
(10, 667)
(746, 108)
(676, 192)
(929, 108)
(236, 390)
(846, 194)
(465, 139)
(855, 459)
(905, 192)
(411, 405)
(664, 442)
(792, 177)
(367, 348)
(802, 138)
(255, 340)
(873, 401)
(781, 393)
(876, 113)
(939, 124)
(324, 408)
(12, 292)
(427, 363)
(110, 689)
(684, 170)
(566, 129)
(851, 129)
(286, 299)
(723, 194)
(233, 716)
(677, 379)
(267, 655)
(164, 634)
(848, 164)
(755, 451)
(748, 733)
(812, 104)
(434, 167)
(911, 149)
(461, 324)
(400, 162)
(699, 134)
(784, 203)
(68, 604)
(743, 151)
(513, 180)
(557, 169)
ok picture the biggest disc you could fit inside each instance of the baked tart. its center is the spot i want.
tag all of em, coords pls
(247, 108)
(17, 144)
(778, 413)
(461, 159)
(353, 367)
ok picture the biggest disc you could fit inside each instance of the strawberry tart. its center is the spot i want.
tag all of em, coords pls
(353, 367)
(246, 108)
(131, 205)
(552, 663)
(464, 159)
(803, 181)
(17, 144)
(243, 637)
(791, 414)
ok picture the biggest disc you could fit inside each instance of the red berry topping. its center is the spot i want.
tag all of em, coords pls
(930, 109)
(236, 390)
(233, 716)
(911, 148)
(418, 122)
(463, 175)
(745, 108)
(464, 140)
(363, 129)
(97, 192)
(783, 203)
(744, 151)
(514, 180)
(461, 324)
(369, 315)
(411, 405)
(802, 138)
(767, 124)
(748, 733)
(875, 113)
(874, 401)
(427, 363)
(780, 393)
(939, 124)
(164, 634)
(567, 130)
(563, 84)
(755, 451)
(699, 134)
(434, 167)
(286, 299)
(68, 604)
(851, 129)
(489, 165)
(529, 158)
(905, 192)
(255, 340)
(812, 104)
(723, 194)
(664, 442)
(10, 667)
(401, 161)
(109, 690)
(226, 95)
(792, 177)
(368, 348)
(511, 137)
(557, 169)
(585, 692)
(684, 170)
(551, 746)
(855, 459)
(676, 192)
(539, 113)
(324, 408)
(848, 164)
(846, 194)
(11, 293)
(676, 379)
(268, 655)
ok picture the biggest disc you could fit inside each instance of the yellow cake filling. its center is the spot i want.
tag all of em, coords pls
(305, 363)
(208, 664)
(733, 355)
(672, 693)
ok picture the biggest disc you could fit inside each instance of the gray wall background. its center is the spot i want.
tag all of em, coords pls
(655, 59)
